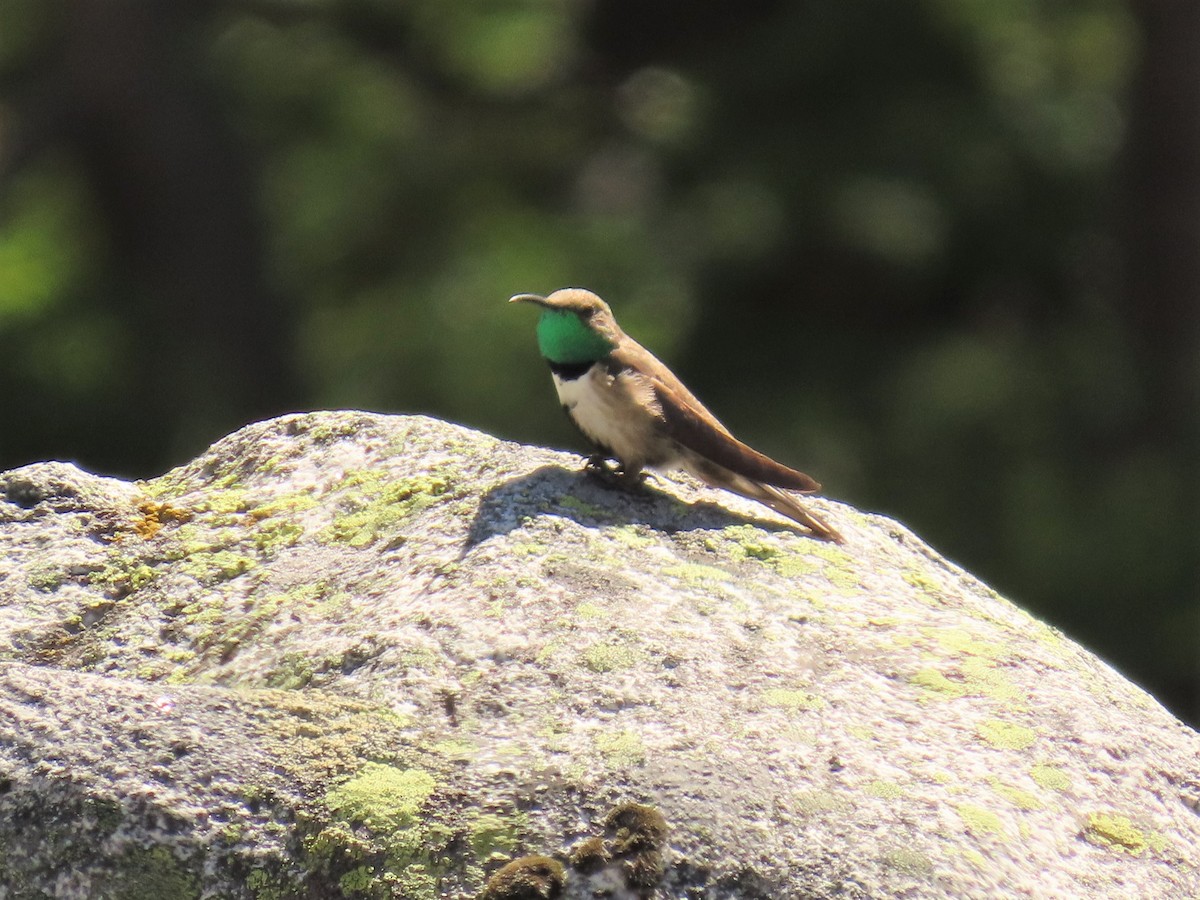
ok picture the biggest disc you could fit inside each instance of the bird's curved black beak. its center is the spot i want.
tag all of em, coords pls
(526, 298)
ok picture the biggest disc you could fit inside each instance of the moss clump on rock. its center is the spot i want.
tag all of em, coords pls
(527, 878)
(589, 855)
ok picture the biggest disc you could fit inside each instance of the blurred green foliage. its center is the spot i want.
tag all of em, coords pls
(884, 240)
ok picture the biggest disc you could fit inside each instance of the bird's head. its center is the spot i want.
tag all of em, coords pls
(576, 326)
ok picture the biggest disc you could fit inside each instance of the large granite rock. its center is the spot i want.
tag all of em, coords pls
(365, 656)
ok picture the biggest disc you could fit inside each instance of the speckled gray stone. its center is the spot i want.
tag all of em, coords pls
(344, 654)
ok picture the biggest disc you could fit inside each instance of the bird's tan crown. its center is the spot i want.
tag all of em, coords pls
(573, 299)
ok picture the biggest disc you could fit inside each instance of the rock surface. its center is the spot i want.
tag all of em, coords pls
(351, 655)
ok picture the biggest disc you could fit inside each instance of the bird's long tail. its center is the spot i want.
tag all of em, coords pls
(776, 498)
(783, 502)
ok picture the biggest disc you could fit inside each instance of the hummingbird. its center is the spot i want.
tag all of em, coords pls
(633, 409)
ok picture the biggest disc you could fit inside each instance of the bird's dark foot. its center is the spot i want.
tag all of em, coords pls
(632, 479)
(614, 474)
(601, 468)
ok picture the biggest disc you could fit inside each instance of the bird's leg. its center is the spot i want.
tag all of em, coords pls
(598, 466)
(631, 478)
(644, 477)
(618, 475)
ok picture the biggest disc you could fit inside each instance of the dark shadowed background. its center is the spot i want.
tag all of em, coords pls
(942, 254)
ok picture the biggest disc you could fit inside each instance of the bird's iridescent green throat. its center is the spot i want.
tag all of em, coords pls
(563, 337)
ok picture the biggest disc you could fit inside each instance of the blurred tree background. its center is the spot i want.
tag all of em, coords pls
(943, 254)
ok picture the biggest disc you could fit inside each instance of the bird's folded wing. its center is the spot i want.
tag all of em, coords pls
(697, 429)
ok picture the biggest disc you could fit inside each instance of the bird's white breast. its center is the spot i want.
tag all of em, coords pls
(611, 411)
(586, 400)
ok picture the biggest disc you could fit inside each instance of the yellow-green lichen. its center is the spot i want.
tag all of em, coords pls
(590, 510)
(793, 700)
(374, 506)
(911, 862)
(629, 536)
(121, 576)
(276, 536)
(831, 553)
(171, 483)
(287, 505)
(457, 749)
(226, 629)
(553, 726)
(1158, 842)
(976, 677)
(979, 820)
(187, 540)
(266, 886)
(1051, 778)
(814, 802)
(358, 880)
(847, 579)
(46, 577)
(1047, 635)
(491, 835)
(213, 567)
(526, 548)
(1116, 832)
(549, 650)
(297, 669)
(793, 565)
(347, 734)
(1006, 735)
(402, 846)
(609, 657)
(958, 640)
(974, 857)
(621, 749)
(986, 679)
(140, 576)
(705, 605)
(1019, 798)
(747, 542)
(382, 797)
(885, 790)
(590, 611)
(331, 432)
(934, 681)
(920, 580)
(418, 657)
(179, 654)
